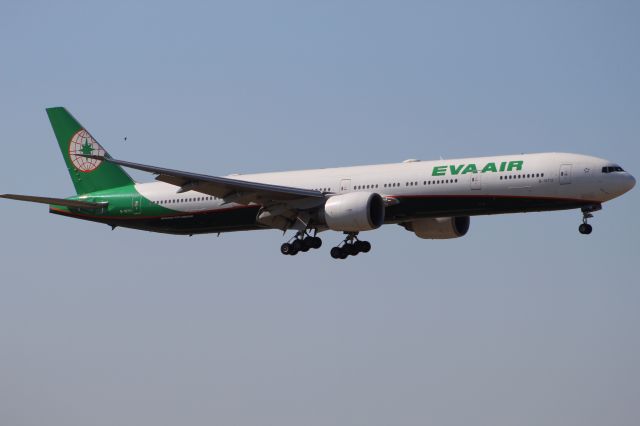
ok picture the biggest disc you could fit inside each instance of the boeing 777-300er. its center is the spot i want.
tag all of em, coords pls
(432, 199)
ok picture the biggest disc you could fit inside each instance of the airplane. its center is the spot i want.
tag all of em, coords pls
(432, 199)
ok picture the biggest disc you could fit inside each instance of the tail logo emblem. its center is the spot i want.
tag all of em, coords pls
(82, 143)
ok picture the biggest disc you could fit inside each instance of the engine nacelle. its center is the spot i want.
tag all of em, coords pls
(354, 211)
(439, 228)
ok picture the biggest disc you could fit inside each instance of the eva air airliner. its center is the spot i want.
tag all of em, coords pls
(432, 199)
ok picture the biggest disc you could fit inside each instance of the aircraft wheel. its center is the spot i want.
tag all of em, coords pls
(336, 253)
(312, 242)
(297, 245)
(316, 242)
(286, 249)
(351, 249)
(585, 229)
(362, 246)
(308, 242)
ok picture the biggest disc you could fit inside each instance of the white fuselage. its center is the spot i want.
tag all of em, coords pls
(571, 178)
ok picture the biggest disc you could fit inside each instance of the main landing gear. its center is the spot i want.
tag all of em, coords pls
(351, 246)
(585, 228)
(301, 242)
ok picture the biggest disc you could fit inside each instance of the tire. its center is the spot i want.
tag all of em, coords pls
(308, 243)
(585, 229)
(336, 253)
(351, 249)
(286, 249)
(317, 242)
(366, 247)
(297, 245)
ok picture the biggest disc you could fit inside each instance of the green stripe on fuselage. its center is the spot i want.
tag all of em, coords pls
(122, 202)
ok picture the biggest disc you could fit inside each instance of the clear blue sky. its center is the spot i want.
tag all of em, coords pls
(522, 322)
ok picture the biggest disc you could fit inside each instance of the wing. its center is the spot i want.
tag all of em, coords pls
(56, 201)
(229, 189)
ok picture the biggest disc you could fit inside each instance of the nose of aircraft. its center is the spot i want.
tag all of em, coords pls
(631, 182)
(619, 183)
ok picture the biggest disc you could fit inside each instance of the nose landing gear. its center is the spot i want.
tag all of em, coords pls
(351, 246)
(585, 228)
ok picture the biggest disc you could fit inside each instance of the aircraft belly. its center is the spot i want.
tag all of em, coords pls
(184, 223)
(442, 206)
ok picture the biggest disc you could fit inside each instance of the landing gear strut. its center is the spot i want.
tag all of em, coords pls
(301, 242)
(585, 228)
(351, 246)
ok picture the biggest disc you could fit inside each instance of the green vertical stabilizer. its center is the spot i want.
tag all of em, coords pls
(87, 174)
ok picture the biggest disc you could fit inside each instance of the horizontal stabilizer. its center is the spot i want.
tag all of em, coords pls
(56, 201)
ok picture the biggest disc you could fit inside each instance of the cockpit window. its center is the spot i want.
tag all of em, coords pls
(611, 169)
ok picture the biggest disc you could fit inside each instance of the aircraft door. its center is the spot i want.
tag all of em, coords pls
(136, 204)
(565, 174)
(476, 181)
(345, 185)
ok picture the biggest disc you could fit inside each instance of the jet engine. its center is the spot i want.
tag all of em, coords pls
(439, 228)
(354, 211)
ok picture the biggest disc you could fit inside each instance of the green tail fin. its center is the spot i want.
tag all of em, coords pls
(87, 174)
